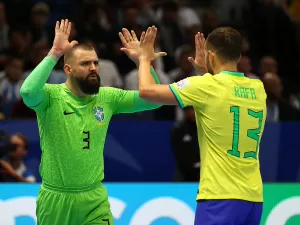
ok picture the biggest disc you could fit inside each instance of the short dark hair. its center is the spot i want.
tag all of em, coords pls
(226, 42)
(84, 46)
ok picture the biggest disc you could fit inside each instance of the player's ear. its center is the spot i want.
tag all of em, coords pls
(211, 56)
(67, 69)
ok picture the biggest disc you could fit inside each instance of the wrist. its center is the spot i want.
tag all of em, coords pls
(55, 54)
(144, 60)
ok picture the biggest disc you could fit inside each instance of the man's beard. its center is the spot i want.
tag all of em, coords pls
(89, 86)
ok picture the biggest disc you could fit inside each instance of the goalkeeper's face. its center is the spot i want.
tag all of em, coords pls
(85, 71)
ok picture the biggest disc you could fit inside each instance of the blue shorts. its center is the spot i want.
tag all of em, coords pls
(228, 212)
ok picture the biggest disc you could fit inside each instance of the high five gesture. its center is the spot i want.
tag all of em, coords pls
(61, 42)
(199, 61)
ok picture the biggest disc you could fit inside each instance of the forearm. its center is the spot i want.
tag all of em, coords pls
(142, 105)
(145, 75)
(32, 88)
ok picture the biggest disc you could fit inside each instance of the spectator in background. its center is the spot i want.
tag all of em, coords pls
(4, 28)
(278, 109)
(210, 21)
(268, 64)
(129, 19)
(39, 19)
(16, 158)
(190, 34)
(152, 12)
(185, 68)
(90, 27)
(11, 80)
(109, 74)
(245, 67)
(19, 46)
(172, 34)
(38, 53)
(184, 141)
(271, 32)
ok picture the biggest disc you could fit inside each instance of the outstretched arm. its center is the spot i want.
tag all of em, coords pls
(155, 93)
(123, 101)
(32, 90)
(188, 92)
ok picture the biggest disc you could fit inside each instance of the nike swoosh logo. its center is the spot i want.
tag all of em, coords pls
(68, 113)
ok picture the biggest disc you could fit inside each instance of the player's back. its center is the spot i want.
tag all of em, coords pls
(230, 125)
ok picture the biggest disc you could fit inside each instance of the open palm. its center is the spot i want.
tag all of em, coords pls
(61, 42)
(199, 61)
(130, 44)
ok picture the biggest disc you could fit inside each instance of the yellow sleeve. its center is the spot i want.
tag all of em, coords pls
(192, 91)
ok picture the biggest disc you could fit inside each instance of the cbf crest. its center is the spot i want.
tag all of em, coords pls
(99, 113)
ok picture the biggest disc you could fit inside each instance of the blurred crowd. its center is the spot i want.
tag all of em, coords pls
(271, 47)
(270, 29)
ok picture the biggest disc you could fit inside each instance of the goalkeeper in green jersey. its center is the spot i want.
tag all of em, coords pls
(73, 119)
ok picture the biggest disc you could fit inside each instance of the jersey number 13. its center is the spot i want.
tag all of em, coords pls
(251, 133)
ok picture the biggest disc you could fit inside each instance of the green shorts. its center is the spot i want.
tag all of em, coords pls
(80, 207)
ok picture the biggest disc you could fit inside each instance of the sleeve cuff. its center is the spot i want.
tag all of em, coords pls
(177, 96)
(51, 59)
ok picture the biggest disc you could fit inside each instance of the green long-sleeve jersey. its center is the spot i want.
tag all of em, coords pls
(72, 129)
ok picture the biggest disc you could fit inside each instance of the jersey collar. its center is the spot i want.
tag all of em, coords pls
(230, 73)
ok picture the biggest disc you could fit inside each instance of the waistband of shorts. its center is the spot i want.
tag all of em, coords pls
(71, 189)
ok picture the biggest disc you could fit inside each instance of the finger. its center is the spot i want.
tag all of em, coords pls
(62, 24)
(69, 28)
(73, 43)
(148, 35)
(57, 26)
(125, 50)
(66, 26)
(142, 39)
(192, 61)
(160, 54)
(197, 43)
(127, 35)
(134, 36)
(201, 40)
(153, 32)
(122, 38)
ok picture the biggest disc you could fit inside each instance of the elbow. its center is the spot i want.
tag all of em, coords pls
(24, 92)
(143, 93)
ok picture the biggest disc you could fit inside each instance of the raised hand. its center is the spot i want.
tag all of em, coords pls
(61, 42)
(130, 44)
(146, 48)
(199, 61)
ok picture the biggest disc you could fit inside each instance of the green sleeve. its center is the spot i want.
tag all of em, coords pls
(154, 75)
(130, 102)
(123, 101)
(33, 90)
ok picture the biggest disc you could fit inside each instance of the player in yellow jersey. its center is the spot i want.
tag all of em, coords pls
(230, 114)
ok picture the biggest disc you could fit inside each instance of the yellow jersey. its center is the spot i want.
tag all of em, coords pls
(230, 114)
